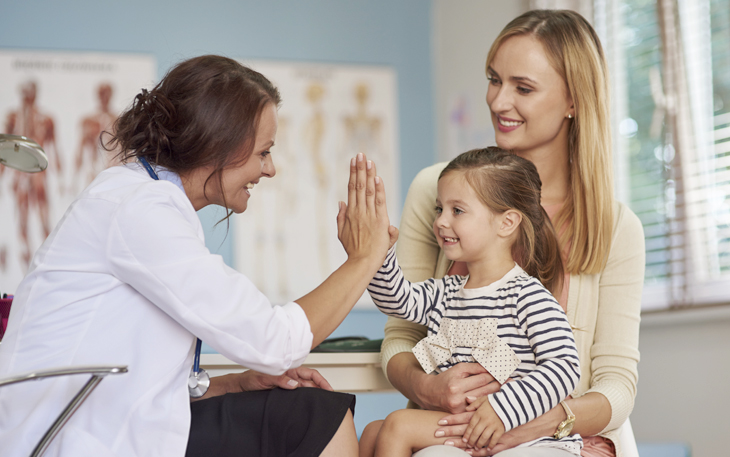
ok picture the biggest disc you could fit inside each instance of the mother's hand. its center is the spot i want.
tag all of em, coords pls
(363, 226)
(446, 391)
(518, 435)
(544, 425)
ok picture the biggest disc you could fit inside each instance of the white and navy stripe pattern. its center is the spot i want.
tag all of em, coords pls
(530, 321)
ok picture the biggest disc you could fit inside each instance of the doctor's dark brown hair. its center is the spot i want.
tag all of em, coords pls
(505, 181)
(204, 112)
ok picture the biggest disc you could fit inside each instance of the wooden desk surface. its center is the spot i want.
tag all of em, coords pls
(346, 371)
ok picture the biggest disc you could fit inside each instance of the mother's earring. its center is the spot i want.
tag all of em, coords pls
(570, 116)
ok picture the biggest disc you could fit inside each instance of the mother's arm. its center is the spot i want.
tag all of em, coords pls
(614, 352)
(615, 348)
(418, 255)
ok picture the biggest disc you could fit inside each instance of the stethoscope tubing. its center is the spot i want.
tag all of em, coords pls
(198, 343)
(196, 361)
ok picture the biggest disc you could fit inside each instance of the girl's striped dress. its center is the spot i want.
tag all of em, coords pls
(513, 327)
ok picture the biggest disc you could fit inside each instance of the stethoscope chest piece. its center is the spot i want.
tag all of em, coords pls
(199, 380)
(198, 383)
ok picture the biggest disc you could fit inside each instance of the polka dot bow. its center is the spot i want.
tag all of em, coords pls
(480, 335)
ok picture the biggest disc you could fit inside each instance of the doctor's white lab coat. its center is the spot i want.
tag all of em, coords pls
(125, 279)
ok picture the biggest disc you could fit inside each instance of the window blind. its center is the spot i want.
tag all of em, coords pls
(669, 62)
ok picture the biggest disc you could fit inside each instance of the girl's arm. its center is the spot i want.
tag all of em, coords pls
(615, 349)
(418, 254)
(556, 371)
(523, 405)
(394, 295)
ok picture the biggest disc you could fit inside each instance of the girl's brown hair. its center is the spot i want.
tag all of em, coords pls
(204, 112)
(504, 181)
(574, 50)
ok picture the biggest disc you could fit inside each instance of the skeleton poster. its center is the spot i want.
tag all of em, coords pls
(63, 101)
(286, 241)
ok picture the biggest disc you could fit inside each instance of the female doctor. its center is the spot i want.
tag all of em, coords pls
(125, 278)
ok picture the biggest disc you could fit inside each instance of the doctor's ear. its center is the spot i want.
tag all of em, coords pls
(511, 219)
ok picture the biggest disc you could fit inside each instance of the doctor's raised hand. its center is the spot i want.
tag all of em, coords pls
(363, 229)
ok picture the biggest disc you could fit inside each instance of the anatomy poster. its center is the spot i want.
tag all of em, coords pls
(63, 101)
(286, 241)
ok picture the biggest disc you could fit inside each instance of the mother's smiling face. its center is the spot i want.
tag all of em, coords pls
(528, 99)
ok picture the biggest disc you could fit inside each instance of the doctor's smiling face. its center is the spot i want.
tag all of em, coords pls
(239, 180)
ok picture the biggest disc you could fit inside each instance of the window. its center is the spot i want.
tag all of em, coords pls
(670, 73)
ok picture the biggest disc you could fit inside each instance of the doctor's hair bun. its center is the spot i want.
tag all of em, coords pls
(203, 113)
(154, 115)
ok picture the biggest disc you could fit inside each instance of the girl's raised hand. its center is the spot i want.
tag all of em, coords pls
(363, 226)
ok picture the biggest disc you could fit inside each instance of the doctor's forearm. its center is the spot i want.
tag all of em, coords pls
(328, 305)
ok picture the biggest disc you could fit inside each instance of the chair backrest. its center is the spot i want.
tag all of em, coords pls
(97, 374)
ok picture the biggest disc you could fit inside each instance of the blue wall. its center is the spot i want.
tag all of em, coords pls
(383, 32)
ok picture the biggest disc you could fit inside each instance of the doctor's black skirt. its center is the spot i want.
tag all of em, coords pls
(267, 423)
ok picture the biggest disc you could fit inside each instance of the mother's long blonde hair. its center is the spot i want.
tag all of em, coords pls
(572, 47)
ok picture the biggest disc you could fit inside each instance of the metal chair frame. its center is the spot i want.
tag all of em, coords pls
(97, 374)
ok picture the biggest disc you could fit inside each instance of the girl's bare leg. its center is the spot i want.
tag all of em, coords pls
(369, 437)
(408, 430)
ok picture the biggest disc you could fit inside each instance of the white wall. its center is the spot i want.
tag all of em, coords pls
(683, 391)
(463, 31)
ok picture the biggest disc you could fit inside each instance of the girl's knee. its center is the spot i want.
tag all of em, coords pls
(396, 422)
(368, 438)
(371, 430)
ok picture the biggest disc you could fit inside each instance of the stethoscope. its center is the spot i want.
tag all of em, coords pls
(199, 380)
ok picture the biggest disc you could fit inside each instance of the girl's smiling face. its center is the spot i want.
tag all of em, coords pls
(528, 99)
(465, 228)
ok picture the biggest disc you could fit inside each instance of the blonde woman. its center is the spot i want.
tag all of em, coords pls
(549, 103)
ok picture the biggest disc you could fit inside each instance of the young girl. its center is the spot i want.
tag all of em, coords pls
(500, 316)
